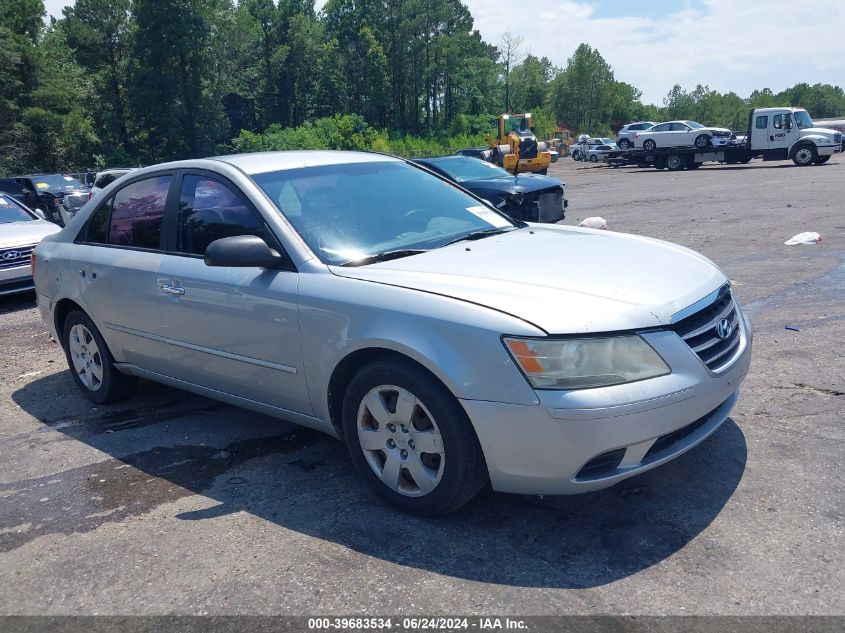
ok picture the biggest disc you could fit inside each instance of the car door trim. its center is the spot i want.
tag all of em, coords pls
(200, 348)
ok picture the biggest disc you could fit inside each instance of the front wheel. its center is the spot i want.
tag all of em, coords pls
(410, 439)
(805, 155)
(594, 158)
(702, 141)
(821, 160)
(91, 362)
(649, 145)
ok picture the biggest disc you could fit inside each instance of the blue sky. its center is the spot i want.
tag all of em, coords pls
(730, 45)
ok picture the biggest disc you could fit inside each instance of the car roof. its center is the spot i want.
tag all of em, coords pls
(263, 162)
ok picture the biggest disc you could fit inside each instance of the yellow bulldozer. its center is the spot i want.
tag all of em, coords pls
(515, 146)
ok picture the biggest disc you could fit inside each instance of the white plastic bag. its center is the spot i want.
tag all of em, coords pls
(594, 223)
(808, 237)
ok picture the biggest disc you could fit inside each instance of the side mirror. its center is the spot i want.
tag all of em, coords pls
(40, 213)
(242, 251)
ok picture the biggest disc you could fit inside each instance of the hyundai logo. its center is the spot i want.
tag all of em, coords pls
(10, 255)
(724, 329)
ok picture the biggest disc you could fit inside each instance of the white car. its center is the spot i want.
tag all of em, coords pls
(682, 134)
(104, 178)
(21, 229)
(625, 137)
(596, 153)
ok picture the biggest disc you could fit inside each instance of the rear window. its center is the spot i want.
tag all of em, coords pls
(11, 186)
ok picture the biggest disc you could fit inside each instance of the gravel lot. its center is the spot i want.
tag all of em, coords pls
(170, 503)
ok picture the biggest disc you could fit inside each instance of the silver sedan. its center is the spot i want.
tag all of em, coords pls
(360, 295)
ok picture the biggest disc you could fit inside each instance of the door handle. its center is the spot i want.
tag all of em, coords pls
(771, 138)
(171, 290)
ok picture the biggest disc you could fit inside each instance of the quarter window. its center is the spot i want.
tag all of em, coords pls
(762, 122)
(137, 213)
(98, 223)
(208, 211)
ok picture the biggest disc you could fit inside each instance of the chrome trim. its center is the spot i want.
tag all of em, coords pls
(698, 305)
(199, 348)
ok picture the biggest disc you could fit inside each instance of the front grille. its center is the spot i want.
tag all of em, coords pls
(601, 464)
(701, 331)
(550, 205)
(12, 257)
(76, 202)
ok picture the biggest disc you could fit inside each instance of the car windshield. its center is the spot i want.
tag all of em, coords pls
(608, 141)
(11, 212)
(464, 169)
(803, 120)
(56, 183)
(693, 124)
(352, 212)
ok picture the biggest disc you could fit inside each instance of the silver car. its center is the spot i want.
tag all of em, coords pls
(360, 295)
(20, 230)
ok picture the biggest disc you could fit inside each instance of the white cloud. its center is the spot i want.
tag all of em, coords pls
(730, 45)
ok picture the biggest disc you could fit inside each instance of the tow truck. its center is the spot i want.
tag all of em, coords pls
(772, 134)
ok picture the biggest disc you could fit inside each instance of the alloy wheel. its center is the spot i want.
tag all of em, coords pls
(85, 356)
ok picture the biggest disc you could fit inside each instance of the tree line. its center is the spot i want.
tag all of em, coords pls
(126, 82)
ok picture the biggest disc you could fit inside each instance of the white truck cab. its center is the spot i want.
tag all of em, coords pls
(781, 133)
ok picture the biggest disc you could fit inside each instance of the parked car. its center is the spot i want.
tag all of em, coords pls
(682, 134)
(596, 153)
(24, 191)
(63, 195)
(104, 178)
(447, 344)
(625, 137)
(20, 230)
(586, 147)
(529, 197)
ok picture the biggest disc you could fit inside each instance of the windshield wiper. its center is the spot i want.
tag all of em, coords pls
(477, 235)
(385, 256)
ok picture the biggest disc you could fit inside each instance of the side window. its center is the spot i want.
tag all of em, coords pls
(664, 127)
(208, 211)
(762, 122)
(97, 229)
(137, 212)
(679, 127)
(782, 121)
(104, 181)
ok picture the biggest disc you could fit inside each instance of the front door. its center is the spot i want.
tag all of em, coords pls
(235, 330)
(782, 131)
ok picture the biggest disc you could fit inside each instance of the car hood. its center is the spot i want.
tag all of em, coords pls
(561, 279)
(822, 131)
(25, 233)
(722, 130)
(524, 183)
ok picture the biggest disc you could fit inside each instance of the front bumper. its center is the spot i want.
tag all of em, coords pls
(828, 150)
(580, 441)
(16, 279)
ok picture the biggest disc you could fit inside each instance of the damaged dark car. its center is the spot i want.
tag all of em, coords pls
(527, 197)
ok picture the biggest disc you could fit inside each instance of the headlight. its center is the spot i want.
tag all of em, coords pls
(582, 363)
(510, 199)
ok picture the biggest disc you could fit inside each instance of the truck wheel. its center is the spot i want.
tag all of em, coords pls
(675, 162)
(624, 143)
(543, 172)
(821, 160)
(805, 155)
(649, 145)
(745, 161)
(693, 165)
(702, 141)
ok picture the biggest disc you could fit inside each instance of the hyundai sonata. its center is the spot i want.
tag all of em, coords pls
(366, 297)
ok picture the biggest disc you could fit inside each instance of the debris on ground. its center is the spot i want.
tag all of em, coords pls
(596, 222)
(790, 328)
(808, 237)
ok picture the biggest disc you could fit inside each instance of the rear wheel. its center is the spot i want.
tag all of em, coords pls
(624, 143)
(410, 439)
(805, 155)
(649, 145)
(702, 141)
(693, 165)
(675, 162)
(91, 362)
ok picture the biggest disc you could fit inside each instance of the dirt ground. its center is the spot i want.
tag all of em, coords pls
(170, 503)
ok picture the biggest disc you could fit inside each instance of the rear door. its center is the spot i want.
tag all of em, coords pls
(115, 263)
(235, 330)
(760, 132)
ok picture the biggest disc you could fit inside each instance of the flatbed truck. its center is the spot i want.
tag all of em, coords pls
(773, 134)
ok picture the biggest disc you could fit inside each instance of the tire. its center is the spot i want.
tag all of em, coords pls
(702, 141)
(91, 363)
(745, 161)
(624, 144)
(821, 160)
(649, 145)
(693, 165)
(675, 162)
(594, 158)
(543, 172)
(804, 155)
(576, 155)
(445, 478)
